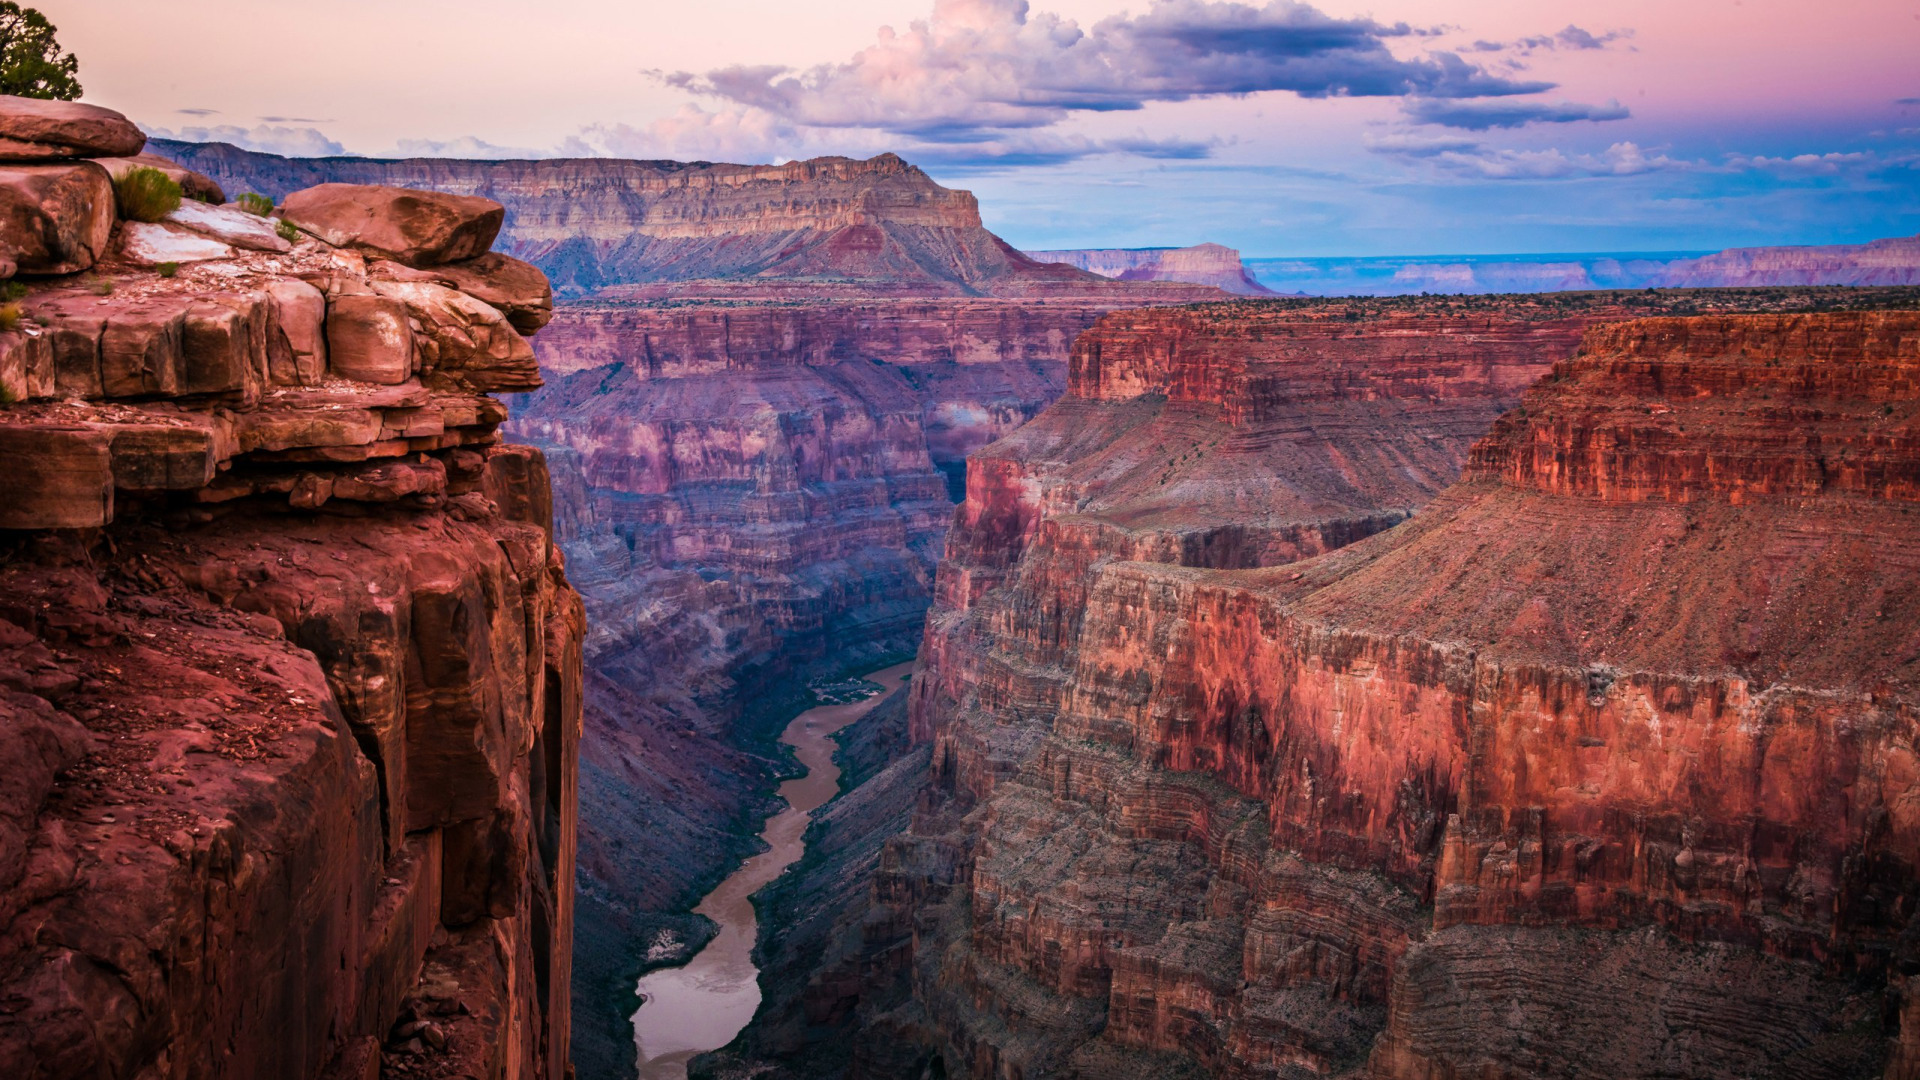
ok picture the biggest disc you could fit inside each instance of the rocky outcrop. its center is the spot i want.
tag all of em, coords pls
(1202, 264)
(290, 690)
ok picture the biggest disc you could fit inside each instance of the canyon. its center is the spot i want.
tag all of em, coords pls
(762, 383)
(290, 670)
(1571, 747)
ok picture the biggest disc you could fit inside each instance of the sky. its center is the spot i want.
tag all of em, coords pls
(1365, 128)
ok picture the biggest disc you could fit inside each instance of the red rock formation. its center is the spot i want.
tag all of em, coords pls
(290, 690)
(1595, 760)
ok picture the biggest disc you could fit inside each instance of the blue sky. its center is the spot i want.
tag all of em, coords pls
(1281, 128)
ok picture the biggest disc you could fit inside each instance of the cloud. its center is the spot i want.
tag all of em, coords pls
(1907, 101)
(466, 146)
(976, 69)
(1482, 115)
(198, 112)
(267, 138)
(293, 120)
(1572, 38)
(1480, 162)
(1828, 164)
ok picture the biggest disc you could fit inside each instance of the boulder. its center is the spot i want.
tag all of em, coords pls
(36, 130)
(61, 477)
(368, 339)
(230, 226)
(150, 245)
(518, 289)
(463, 341)
(55, 219)
(297, 342)
(26, 366)
(196, 186)
(418, 228)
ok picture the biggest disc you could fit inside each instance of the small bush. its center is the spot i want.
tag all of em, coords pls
(256, 204)
(13, 291)
(101, 286)
(146, 194)
(289, 231)
(10, 316)
(167, 269)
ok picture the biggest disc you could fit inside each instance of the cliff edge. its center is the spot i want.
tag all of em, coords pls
(290, 673)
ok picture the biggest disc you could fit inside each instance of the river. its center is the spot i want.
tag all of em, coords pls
(700, 1007)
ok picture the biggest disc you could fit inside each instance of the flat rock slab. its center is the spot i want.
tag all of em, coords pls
(418, 228)
(230, 226)
(151, 245)
(35, 130)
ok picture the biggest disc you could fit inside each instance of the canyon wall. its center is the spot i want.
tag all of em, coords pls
(290, 673)
(1593, 766)
(1882, 262)
(1202, 264)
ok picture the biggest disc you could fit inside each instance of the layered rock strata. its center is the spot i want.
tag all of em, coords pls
(1596, 766)
(290, 674)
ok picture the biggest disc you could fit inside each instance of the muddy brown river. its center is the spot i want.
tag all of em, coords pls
(702, 1006)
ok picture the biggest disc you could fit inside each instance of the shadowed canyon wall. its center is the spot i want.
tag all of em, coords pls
(290, 672)
(1583, 769)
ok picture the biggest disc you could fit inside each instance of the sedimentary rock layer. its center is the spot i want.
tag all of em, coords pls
(1580, 771)
(1894, 261)
(1599, 757)
(290, 676)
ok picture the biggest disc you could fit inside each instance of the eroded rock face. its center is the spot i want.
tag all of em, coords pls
(290, 694)
(1593, 759)
(1201, 264)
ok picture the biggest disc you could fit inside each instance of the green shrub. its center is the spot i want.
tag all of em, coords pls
(146, 194)
(101, 286)
(12, 291)
(256, 204)
(289, 231)
(167, 269)
(10, 316)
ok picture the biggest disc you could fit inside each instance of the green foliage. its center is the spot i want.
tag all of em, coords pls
(12, 291)
(101, 286)
(256, 204)
(6, 396)
(31, 63)
(10, 316)
(289, 231)
(146, 194)
(167, 269)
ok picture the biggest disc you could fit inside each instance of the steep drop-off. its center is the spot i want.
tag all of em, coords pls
(1596, 760)
(1578, 772)
(290, 675)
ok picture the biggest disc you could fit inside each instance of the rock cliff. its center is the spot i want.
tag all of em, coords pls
(1590, 762)
(1201, 264)
(1880, 262)
(290, 674)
